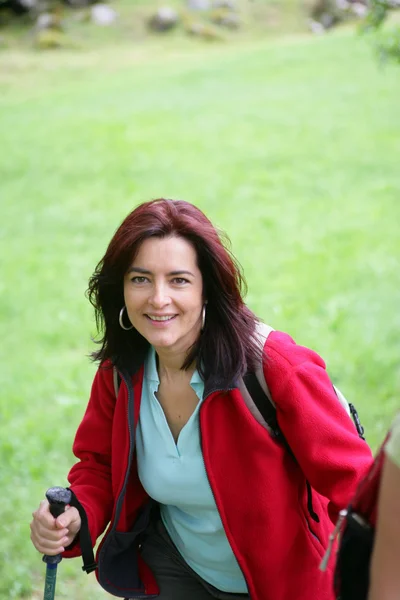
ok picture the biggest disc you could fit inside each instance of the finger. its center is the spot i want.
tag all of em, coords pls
(44, 508)
(50, 547)
(42, 531)
(70, 519)
(52, 537)
(43, 514)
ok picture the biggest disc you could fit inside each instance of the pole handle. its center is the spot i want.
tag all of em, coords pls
(58, 498)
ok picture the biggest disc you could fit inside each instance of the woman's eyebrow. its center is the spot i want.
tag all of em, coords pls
(139, 270)
(182, 272)
(171, 273)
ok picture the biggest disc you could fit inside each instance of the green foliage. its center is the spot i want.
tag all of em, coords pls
(386, 39)
(388, 45)
(280, 144)
(378, 11)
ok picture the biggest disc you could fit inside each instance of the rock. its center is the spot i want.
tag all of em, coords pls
(29, 4)
(328, 20)
(225, 18)
(198, 4)
(229, 4)
(204, 31)
(332, 12)
(164, 19)
(102, 14)
(327, 12)
(359, 9)
(231, 21)
(316, 27)
(47, 21)
(343, 4)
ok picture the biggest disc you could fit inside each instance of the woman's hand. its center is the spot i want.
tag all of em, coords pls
(51, 536)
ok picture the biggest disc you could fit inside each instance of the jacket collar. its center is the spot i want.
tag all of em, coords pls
(212, 384)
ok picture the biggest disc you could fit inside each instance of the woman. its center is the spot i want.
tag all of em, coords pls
(201, 501)
(385, 572)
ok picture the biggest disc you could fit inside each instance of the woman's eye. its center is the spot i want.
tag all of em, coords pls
(180, 280)
(139, 279)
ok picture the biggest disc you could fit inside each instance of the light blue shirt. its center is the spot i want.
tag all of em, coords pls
(174, 475)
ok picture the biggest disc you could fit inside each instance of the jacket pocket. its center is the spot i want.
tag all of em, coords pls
(311, 513)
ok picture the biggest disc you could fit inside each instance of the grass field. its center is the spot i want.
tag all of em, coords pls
(291, 146)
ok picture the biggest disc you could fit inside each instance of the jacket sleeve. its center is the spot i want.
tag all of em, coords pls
(90, 478)
(318, 429)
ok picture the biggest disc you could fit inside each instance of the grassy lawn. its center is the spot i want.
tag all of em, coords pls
(290, 145)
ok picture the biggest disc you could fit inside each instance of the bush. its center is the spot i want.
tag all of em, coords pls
(387, 39)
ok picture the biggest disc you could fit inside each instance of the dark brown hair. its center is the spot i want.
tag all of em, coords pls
(226, 347)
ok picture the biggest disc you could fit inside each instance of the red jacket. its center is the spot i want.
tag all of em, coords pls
(260, 491)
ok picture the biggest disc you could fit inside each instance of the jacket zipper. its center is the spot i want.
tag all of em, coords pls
(212, 491)
(120, 498)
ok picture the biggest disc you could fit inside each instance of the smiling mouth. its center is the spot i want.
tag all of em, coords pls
(161, 318)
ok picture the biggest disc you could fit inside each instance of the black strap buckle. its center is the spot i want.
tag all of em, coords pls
(89, 568)
(357, 422)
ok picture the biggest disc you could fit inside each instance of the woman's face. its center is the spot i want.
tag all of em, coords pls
(163, 291)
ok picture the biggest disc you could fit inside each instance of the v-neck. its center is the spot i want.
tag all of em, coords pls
(152, 381)
(179, 445)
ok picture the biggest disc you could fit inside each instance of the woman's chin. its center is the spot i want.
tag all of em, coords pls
(165, 340)
(162, 341)
(170, 344)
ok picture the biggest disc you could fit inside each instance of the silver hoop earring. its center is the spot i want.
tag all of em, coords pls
(203, 317)
(121, 322)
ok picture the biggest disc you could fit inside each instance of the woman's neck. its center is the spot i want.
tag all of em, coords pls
(169, 366)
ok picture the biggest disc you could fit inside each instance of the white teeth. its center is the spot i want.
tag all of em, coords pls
(166, 318)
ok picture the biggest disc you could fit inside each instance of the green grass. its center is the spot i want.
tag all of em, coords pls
(291, 147)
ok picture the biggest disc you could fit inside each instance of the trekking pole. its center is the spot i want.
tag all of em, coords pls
(58, 497)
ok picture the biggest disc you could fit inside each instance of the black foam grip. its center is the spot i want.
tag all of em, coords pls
(58, 498)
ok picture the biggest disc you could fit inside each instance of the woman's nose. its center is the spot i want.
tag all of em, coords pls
(159, 296)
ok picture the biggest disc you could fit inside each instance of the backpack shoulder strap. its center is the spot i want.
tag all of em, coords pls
(265, 406)
(261, 398)
(260, 395)
(256, 392)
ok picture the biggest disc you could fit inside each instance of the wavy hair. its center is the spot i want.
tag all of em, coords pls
(227, 347)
